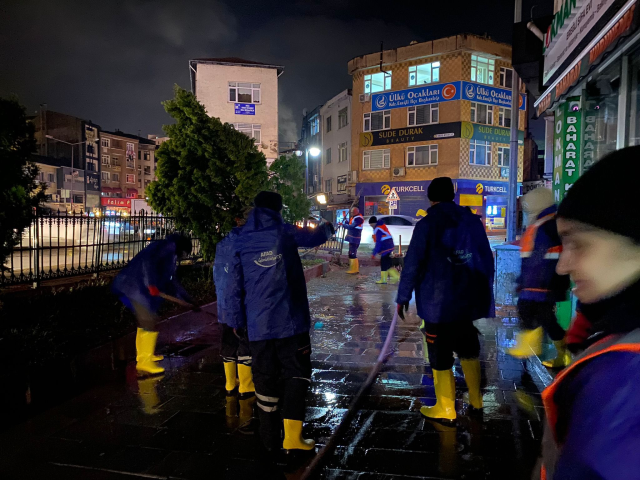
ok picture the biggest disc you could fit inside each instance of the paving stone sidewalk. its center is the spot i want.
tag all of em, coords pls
(177, 426)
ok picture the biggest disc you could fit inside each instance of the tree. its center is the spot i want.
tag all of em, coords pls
(287, 178)
(208, 172)
(20, 192)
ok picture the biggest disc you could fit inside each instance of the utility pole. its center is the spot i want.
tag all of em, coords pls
(512, 214)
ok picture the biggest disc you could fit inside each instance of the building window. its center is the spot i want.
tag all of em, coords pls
(481, 113)
(342, 183)
(146, 183)
(425, 73)
(51, 178)
(106, 142)
(131, 179)
(504, 117)
(250, 130)
(105, 160)
(343, 117)
(147, 170)
(327, 186)
(92, 167)
(377, 121)
(423, 115)
(377, 82)
(147, 156)
(41, 176)
(244, 92)
(482, 69)
(115, 161)
(328, 129)
(342, 152)
(314, 125)
(105, 176)
(503, 156)
(422, 155)
(376, 159)
(506, 77)
(328, 156)
(139, 155)
(115, 178)
(479, 153)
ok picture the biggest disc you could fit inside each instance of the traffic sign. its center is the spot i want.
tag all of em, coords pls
(393, 195)
(393, 204)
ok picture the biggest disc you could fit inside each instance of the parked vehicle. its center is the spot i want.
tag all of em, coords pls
(399, 226)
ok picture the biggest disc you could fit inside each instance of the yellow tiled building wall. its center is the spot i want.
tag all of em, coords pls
(453, 154)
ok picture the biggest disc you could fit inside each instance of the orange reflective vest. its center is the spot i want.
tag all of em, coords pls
(551, 444)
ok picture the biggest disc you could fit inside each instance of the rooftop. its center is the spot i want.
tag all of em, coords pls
(240, 62)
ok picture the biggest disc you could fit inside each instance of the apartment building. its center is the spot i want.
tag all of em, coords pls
(146, 165)
(119, 152)
(243, 93)
(432, 109)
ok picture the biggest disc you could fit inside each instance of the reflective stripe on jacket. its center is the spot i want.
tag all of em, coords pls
(383, 239)
(552, 443)
(354, 229)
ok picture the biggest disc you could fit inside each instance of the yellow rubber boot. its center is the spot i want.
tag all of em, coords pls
(246, 380)
(145, 353)
(528, 344)
(230, 376)
(293, 437)
(393, 275)
(354, 266)
(445, 407)
(384, 276)
(155, 358)
(563, 357)
(471, 370)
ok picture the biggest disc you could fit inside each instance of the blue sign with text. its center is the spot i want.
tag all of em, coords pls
(245, 109)
(500, 97)
(444, 92)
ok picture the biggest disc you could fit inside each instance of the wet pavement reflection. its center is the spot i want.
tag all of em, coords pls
(183, 425)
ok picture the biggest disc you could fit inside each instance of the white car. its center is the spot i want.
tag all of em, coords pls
(398, 225)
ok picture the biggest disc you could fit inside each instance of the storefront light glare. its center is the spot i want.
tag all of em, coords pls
(314, 151)
(322, 198)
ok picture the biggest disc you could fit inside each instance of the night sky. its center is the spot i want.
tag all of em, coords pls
(113, 62)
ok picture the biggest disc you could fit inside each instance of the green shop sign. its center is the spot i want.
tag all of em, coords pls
(558, 22)
(488, 133)
(566, 147)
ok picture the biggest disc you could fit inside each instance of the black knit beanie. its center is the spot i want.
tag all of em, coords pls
(606, 196)
(441, 190)
(269, 200)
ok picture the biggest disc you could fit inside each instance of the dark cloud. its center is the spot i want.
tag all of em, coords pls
(113, 62)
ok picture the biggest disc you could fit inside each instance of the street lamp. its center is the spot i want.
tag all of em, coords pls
(322, 199)
(72, 169)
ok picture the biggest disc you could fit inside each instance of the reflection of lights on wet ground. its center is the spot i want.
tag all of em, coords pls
(329, 397)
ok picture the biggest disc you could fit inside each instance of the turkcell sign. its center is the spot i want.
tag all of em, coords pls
(444, 92)
(412, 97)
(245, 109)
(500, 97)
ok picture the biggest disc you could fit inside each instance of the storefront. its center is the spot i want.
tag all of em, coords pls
(116, 205)
(594, 99)
(487, 199)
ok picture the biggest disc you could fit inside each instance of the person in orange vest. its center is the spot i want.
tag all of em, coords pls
(383, 246)
(593, 406)
(354, 234)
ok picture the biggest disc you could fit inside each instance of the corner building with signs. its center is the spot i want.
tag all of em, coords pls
(590, 86)
(434, 109)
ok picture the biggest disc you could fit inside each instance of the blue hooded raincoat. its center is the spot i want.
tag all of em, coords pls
(224, 253)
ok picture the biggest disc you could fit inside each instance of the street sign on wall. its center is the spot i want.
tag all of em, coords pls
(244, 109)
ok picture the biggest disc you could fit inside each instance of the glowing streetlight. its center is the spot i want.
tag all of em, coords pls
(322, 199)
(314, 151)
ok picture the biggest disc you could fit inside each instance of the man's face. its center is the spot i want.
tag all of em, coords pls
(355, 211)
(600, 263)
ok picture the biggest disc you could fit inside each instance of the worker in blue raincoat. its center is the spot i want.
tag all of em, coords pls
(593, 406)
(268, 297)
(383, 246)
(144, 284)
(450, 266)
(354, 235)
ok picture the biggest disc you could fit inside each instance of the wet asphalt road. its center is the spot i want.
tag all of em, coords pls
(182, 425)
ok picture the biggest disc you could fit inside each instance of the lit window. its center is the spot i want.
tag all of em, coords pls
(422, 155)
(131, 179)
(376, 159)
(423, 115)
(506, 77)
(314, 125)
(377, 82)
(503, 156)
(479, 153)
(504, 117)
(377, 121)
(244, 92)
(481, 113)
(482, 69)
(425, 73)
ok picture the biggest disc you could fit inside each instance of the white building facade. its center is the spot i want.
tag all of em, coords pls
(242, 93)
(335, 117)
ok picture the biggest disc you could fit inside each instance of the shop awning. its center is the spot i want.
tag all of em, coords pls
(116, 190)
(107, 189)
(615, 32)
(132, 191)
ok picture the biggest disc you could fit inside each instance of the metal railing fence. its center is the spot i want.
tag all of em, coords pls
(56, 246)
